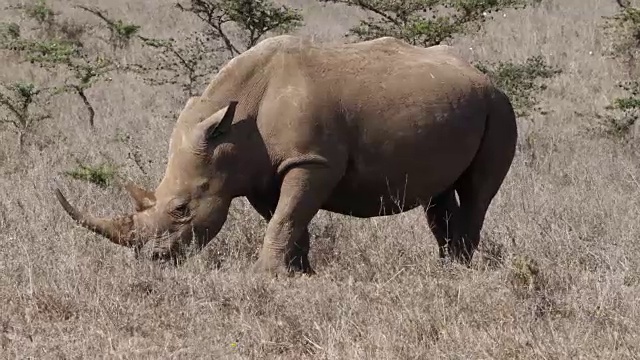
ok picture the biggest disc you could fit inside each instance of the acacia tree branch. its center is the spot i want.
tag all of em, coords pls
(189, 66)
(366, 6)
(623, 4)
(8, 121)
(190, 69)
(227, 41)
(97, 13)
(92, 113)
(6, 102)
(215, 18)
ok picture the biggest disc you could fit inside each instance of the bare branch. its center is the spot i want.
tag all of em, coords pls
(623, 3)
(97, 13)
(92, 113)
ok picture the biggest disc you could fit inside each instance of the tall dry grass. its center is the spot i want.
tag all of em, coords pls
(558, 275)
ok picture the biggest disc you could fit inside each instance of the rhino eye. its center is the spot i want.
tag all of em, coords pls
(180, 211)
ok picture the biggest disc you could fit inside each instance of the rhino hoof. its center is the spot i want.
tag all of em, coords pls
(269, 268)
(301, 265)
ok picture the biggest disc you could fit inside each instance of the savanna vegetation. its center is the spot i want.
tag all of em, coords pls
(89, 92)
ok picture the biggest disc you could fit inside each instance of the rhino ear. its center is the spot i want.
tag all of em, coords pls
(142, 199)
(214, 128)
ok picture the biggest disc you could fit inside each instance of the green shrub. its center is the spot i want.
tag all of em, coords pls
(424, 22)
(624, 32)
(22, 106)
(8, 32)
(101, 175)
(41, 12)
(624, 112)
(521, 82)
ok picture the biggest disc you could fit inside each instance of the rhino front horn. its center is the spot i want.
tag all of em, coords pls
(117, 230)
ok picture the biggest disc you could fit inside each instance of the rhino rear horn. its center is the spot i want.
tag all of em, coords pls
(142, 198)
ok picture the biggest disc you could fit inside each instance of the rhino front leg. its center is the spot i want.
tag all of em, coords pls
(302, 193)
(298, 259)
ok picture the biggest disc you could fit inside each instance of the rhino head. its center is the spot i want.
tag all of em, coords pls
(192, 201)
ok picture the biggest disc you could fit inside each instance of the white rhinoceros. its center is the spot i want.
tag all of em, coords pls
(367, 129)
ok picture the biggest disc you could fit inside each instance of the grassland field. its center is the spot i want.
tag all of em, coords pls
(557, 275)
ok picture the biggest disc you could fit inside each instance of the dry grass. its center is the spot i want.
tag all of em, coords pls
(558, 276)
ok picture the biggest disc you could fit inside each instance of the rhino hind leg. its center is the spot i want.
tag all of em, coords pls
(481, 181)
(475, 198)
(457, 226)
(442, 212)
